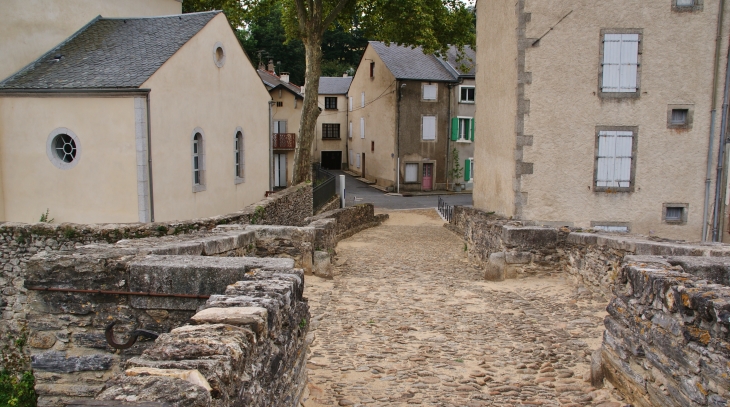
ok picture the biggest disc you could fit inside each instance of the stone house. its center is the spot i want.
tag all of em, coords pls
(286, 115)
(407, 115)
(330, 143)
(132, 119)
(602, 114)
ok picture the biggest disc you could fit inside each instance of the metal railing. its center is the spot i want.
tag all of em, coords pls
(324, 186)
(284, 141)
(446, 210)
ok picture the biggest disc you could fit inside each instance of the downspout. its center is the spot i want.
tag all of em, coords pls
(713, 119)
(149, 159)
(399, 87)
(448, 138)
(271, 146)
(721, 156)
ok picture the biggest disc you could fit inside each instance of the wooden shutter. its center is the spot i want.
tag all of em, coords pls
(362, 129)
(362, 99)
(349, 103)
(349, 130)
(411, 173)
(471, 128)
(467, 170)
(454, 128)
(428, 127)
(620, 62)
(429, 92)
(614, 159)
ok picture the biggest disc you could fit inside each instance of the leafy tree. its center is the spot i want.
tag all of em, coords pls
(431, 24)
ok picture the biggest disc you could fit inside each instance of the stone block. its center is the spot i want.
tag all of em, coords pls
(494, 269)
(172, 390)
(533, 237)
(191, 376)
(192, 248)
(255, 316)
(60, 362)
(518, 257)
(322, 266)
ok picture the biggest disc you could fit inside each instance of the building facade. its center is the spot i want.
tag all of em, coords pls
(404, 103)
(599, 114)
(165, 120)
(331, 142)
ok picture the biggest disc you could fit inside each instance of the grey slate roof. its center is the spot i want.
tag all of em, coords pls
(272, 82)
(110, 53)
(334, 85)
(412, 63)
(469, 61)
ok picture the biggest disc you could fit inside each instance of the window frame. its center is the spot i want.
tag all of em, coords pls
(331, 127)
(435, 128)
(689, 120)
(372, 70)
(697, 5)
(632, 177)
(683, 218)
(200, 155)
(239, 157)
(423, 92)
(418, 172)
(467, 138)
(601, 50)
(329, 106)
(473, 88)
(53, 157)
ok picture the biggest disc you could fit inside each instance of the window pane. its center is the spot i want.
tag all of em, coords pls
(679, 116)
(684, 3)
(674, 213)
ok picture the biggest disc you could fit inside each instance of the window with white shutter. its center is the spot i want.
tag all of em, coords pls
(615, 159)
(357, 159)
(362, 99)
(428, 128)
(430, 92)
(349, 103)
(362, 127)
(411, 172)
(349, 130)
(620, 64)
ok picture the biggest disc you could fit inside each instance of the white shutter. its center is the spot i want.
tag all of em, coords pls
(362, 127)
(429, 92)
(357, 156)
(411, 173)
(428, 127)
(614, 159)
(620, 62)
(362, 99)
(349, 104)
(349, 130)
(351, 158)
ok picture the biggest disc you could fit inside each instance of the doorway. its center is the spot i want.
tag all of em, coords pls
(427, 180)
(332, 160)
(363, 165)
(279, 170)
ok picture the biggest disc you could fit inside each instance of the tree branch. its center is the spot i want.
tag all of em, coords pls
(333, 14)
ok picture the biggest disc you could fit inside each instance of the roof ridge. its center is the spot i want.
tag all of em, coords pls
(59, 45)
(165, 16)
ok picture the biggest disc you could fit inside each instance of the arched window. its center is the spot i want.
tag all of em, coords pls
(198, 161)
(238, 156)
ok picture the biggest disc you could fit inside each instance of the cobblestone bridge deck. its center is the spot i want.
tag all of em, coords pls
(407, 320)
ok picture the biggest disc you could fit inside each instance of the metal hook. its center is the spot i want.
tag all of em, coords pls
(109, 333)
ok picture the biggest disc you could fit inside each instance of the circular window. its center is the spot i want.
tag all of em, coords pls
(219, 54)
(63, 148)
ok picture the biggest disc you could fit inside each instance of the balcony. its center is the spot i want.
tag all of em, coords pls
(285, 141)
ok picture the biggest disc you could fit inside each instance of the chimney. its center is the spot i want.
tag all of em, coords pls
(284, 77)
(345, 75)
(261, 66)
(271, 65)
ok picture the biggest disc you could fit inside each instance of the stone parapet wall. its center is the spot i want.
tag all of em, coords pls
(351, 220)
(19, 241)
(666, 341)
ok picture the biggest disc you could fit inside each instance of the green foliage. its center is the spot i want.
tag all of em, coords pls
(16, 378)
(231, 8)
(69, 233)
(457, 171)
(258, 214)
(45, 218)
(162, 229)
(303, 323)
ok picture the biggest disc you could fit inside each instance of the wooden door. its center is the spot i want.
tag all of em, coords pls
(427, 180)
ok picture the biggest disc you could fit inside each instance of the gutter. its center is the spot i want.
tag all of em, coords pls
(75, 92)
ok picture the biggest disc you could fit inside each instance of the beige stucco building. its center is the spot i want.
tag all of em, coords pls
(331, 142)
(598, 113)
(286, 115)
(407, 117)
(133, 120)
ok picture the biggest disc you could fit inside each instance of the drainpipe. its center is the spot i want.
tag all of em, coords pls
(721, 157)
(448, 138)
(271, 145)
(713, 119)
(400, 87)
(149, 159)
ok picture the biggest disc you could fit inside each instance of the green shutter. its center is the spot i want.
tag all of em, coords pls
(467, 170)
(454, 129)
(471, 128)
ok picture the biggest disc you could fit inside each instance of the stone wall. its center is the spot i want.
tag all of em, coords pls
(666, 339)
(513, 249)
(19, 242)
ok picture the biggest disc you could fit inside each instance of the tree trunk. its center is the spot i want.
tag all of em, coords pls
(310, 109)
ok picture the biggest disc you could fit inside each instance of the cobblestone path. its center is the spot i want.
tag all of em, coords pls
(407, 320)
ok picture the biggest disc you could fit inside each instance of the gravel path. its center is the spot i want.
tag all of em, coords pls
(407, 320)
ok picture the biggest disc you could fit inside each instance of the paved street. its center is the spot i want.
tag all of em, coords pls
(358, 192)
(407, 320)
